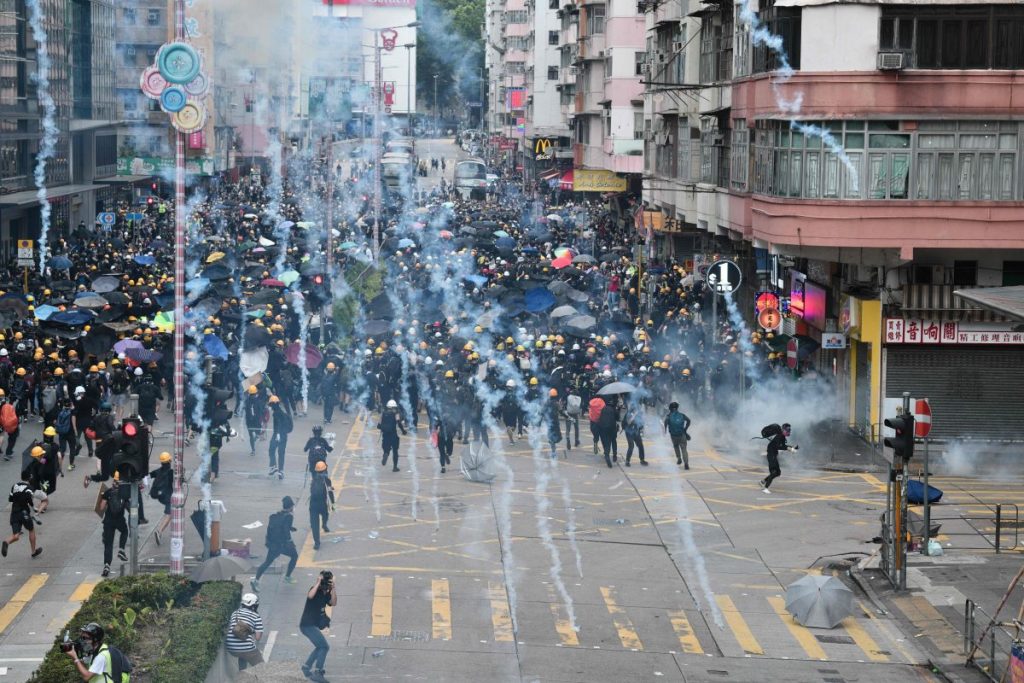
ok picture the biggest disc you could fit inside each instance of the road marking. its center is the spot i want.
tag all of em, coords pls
(874, 481)
(803, 636)
(355, 435)
(441, 609)
(83, 591)
(567, 634)
(627, 633)
(501, 617)
(338, 481)
(748, 643)
(864, 640)
(269, 647)
(687, 638)
(885, 628)
(381, 611)
(21, 598)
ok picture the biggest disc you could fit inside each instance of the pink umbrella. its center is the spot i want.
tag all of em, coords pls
(313, 355)
(446, 234)
(272, 282)
(562, 262)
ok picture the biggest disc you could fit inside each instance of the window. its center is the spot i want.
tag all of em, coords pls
(740, 155)
(688, 154)
(638, 125)
(153, 17)
(516, 16)
(552, 37)
(128, 16)
(666, 129)
(670, 63)
(966, 160)
(1013, 273)
(714, 152)
(553, 4)
(583, 129)
(784, 23)
(716, 48)
(595, 19)
(955, 37)
(552, 73)
(106, 150)
(965, 273)
(639, 59)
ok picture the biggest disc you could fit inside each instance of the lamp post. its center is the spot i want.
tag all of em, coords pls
(437, 119)
(409, 87)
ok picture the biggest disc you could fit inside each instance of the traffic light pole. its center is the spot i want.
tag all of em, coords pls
(133, 529)
(926, 537)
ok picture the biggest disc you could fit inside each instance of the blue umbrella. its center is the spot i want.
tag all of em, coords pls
(215, 347)
(72, 318)
(145, 260)
(405, 243)
(505, 243)
(478, 280)
(539, 299)
(45, 311)
(60, 262)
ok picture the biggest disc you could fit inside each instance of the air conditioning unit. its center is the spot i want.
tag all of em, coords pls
(572, 71)
(891, 61)
(677, 47)
(662, 58)
(645, 68)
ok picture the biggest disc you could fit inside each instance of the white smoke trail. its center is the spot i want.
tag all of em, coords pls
(407, 409)
(48, 143)
(299, 305)
(742, 333)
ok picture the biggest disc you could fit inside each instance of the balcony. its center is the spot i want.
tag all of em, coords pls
(592, 47)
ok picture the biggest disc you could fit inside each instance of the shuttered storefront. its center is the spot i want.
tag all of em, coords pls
(975, 392)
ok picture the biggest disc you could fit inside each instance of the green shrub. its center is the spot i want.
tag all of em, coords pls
(126, 606)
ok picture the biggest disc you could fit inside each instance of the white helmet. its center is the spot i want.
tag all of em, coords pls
(138, 372)
(79, 390)
(392, 404)
(607, 373)
(510, 383)
(3, 352)
(250, 600)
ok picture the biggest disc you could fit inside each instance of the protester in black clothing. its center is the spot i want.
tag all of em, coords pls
(282, 427)
(677, 425)
(608, 428)
(389, 425)
(314, 619)
(777, 443)
(316, 448)
(279, 542)
(161, 488)
(321, 501)
(113, 506)
(21, 518)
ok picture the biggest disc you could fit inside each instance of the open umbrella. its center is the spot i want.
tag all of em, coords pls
(285, 225)
(215, 347)
(288, 277)
(145, 260)
(264, 242)
(164, 321)
(264, 296)
(59, 262)
(313, 355)
(539, 299)
(157, 244)
(220, 568)
(105, 283)
(819, 601)
(143, 355)
(91, 300)
(99, 340)
(125, 344)
(218, 271)
(72, 318)
(500, 233)
(272, 282)
(445, 234)
(583, 258)
(614, 388)
(376, 327)
(215, 256)
(583, 322)
(562, 262)
(563, 312)
(256, 336)
(476, 463)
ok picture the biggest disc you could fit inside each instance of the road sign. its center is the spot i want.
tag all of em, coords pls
(387, 110)
(724, 276)
(833, 340)
(792, 346)
(922, 418)
(106, 218)
(770, 318)
(134, 216)
(25, 248)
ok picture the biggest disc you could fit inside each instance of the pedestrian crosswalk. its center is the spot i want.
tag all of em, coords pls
(752, 625)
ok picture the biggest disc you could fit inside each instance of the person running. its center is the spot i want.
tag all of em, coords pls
(113, 506)
(314, 620)
(161, 490)
(245, 630)
(677, 425)
(282, 427)
(316, 448)
(21, 518)
(777, 436)
(253, 417)
(633, 427)
(608, 429)
(321, 501)
(279, 542)
(389, 424)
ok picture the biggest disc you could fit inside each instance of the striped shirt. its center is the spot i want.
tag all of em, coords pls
(250, 617)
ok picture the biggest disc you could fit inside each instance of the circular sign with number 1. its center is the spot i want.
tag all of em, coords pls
(724, 276)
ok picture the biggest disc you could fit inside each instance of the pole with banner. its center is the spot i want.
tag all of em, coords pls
(922, 427)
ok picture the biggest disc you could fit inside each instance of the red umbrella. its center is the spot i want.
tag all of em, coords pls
(272, 282)
(446, 234)
(313, 355)
(562, 261)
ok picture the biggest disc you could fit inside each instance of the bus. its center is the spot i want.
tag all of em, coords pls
(471, 179)
(397, 170)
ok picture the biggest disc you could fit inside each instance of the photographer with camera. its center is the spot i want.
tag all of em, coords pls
(245, 630)
(314, 620)
(106, 664)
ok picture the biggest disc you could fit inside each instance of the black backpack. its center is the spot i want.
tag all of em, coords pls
(119, 663)
(277, 529)
(770, 431)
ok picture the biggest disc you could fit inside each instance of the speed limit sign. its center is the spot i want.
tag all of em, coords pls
(724, 276)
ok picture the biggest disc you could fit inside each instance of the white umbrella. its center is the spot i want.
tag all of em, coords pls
(554, 217)
(563, 312)
(819, 601)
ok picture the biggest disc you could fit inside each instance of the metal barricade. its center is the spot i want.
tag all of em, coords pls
(998, 529)
(991, 647)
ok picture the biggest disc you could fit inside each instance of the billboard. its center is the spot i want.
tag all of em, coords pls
(600, 180)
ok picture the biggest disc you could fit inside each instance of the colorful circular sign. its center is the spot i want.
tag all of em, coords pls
(198, 86)
(191, 118)
(178, 62)
(172, 99)
(152, 83)
(769, 318)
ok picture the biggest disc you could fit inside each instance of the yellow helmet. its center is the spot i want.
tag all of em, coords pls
(320, 466)
(553, 392)
(21, 372)
(37, 451)
(620, 356)
(165, 457)
(539, 344)
(101, 365)
(520, 348)
(253, 390)
(686, 372)
(274, 398)
(331, 366)
(533, 381)
(58, 372)
(449, 374)
(379, 351)
(468, 346)
(50, 431)
(94, 368)
(510, 340)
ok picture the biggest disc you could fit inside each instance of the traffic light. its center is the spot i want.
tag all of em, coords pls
(902, 444)
(131, 459)
(216, 409)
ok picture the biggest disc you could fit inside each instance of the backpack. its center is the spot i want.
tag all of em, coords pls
(119, 382)
(573, 404)
(115, 502)
(676, 424)
(596, 404)
(240, 628)
(277, 529)
(119, 664)
(63, 425)
(160, 482)
(9, 418)
(49, 398)
(770, 431)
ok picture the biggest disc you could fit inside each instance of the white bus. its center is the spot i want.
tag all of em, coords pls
(471, 179)
(397, 170)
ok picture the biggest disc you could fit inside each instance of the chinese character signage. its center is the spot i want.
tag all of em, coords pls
(918, 331)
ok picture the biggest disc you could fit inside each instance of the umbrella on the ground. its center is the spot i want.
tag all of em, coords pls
(819, 601)
(143, 355)
(614, 388)
(215, 347)
(220, 568)
(60, 263)
(539, 299)
(563, 312)
(583, 258)
(475, 463)
(145, 260)
(313, 355)
(105, 284)
(91, 300)
(376, 327)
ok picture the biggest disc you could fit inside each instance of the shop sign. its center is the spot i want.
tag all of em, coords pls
(849, 313)
(833, 340)
(543, 149)
(597, 180)
(769, 318)
(163, 166)
(766, 300)
(923, 331)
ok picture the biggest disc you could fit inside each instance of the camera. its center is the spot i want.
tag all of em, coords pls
(327, 576)
(67, 645)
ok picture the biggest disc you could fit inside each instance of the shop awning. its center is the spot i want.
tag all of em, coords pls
(1008, 301)
(549, 174)
(28, 197)
(565, 183)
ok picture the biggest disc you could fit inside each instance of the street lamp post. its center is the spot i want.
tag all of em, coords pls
(437, 119)
(408, 77)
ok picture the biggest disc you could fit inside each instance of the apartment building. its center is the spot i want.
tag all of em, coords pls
(865, 187)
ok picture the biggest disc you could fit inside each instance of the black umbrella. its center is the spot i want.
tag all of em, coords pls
(218, 271)
(256, 336)
(380, 308)
(375, 327)
(14, 304)
(605, 258)
(143, 355)
(99, 340)
(111, 313)
(265, 296)
(312, 267)
(105, 283)
(62, 285)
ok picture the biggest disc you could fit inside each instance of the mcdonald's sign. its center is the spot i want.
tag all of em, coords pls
(543, 149)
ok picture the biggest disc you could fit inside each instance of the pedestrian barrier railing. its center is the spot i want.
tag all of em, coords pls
(987, 645)
(998, 528)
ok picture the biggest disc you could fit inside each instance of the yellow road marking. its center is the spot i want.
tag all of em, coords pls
(355, 435)
(627, 633)
(687, 638)
(21, 598)
(864, 641)
(441, 609)
(381, 610)
(338, 481)
(886, 629)
(567, 635)
(83, 591)
(501, 618)
(748, 643)
(735, 557)
(873, 480)
(806, 639)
